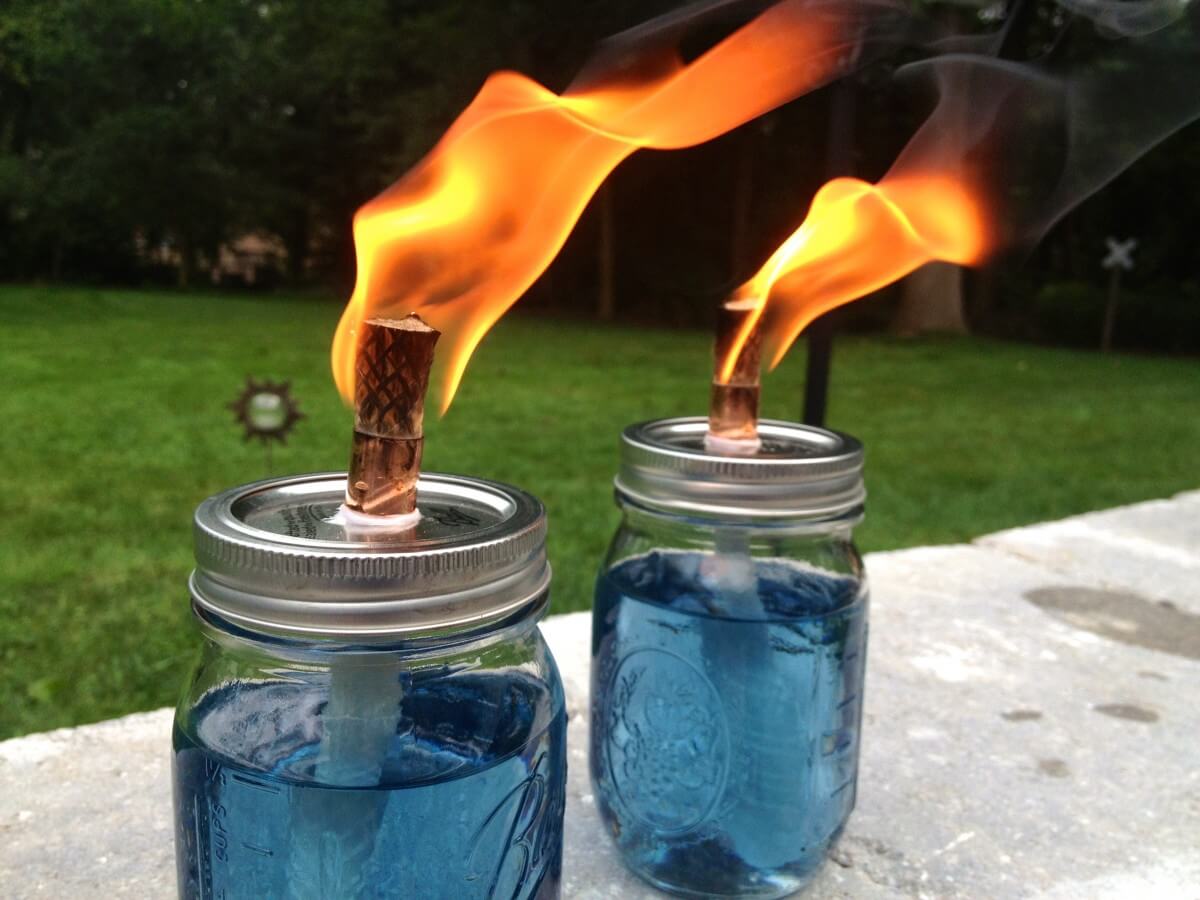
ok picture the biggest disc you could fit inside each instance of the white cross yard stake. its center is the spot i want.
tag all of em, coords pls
(1118, 259)
(1120, 253)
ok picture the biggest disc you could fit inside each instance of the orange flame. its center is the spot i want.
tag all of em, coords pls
(465, 233)
(856, 238)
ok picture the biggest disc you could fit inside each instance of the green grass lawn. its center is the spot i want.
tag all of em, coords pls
(115, 426)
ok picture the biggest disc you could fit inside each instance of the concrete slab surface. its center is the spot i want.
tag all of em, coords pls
(1031, 729)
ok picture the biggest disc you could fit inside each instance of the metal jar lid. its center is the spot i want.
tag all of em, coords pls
(799, 472)
(278, 557)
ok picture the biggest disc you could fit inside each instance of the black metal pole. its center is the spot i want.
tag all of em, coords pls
(839, 161)
(816, 373)
(1019, 20)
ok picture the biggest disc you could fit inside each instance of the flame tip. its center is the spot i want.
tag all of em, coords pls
(468, 229)
(856, 238)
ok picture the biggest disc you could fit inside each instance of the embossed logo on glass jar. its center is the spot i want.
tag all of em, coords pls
(668, 745)
(522, 828)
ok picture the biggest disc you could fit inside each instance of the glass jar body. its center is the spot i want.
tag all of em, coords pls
(430, 768)
(727, 678)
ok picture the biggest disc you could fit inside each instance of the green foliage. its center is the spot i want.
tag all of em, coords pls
(191, 122)
(115, 113)
(1159, 317)
(130, 125)
(116, 427)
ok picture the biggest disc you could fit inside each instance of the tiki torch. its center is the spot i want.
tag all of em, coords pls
(391, 377)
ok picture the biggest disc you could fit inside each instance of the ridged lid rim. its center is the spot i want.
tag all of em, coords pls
(379, 585)
(801, 472)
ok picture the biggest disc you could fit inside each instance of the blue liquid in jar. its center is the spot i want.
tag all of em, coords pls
(725, 731)
(469, 803)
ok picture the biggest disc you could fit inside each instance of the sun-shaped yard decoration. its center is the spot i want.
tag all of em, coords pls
(267, 410)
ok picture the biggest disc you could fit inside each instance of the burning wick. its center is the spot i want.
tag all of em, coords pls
(391, 377)
(365, 695)
(733, 409)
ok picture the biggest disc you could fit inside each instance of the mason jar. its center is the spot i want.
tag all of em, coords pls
(374, 713)
(729, 638)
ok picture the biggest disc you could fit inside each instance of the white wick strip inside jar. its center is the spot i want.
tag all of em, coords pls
(356, 520)
(731, 446)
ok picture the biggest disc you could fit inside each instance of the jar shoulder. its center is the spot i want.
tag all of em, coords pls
(827, 547)
(421, 716)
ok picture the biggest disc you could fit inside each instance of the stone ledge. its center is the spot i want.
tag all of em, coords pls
(1022, 737)
(1151, 549)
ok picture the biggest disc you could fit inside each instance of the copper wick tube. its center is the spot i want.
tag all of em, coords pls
(391, 377)
(733, 408)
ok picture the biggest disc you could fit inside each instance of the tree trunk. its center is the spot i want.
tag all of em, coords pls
(983, 287)
(931, 300)
(743, 196)
(606, 301)
(1110, 308)
(187, 261)
(295, 240)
